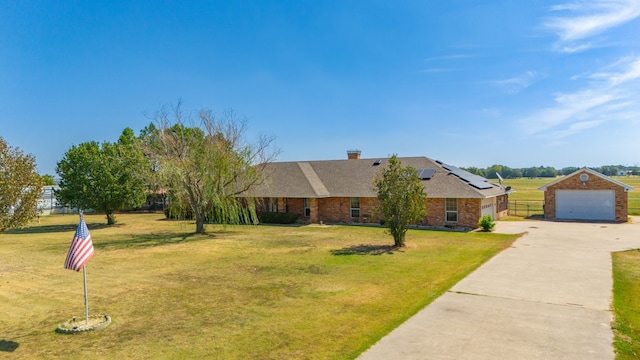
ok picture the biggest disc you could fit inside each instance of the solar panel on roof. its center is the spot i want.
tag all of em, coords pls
(426, 174)
(481, 185)
(476, 181)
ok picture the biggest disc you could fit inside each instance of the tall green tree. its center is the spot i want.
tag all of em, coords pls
(20, 187)
(149, 139)
(106, 177)
(48, 179)
(208, 165)
(402, 198)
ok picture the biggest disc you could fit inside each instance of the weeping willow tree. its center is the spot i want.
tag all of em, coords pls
(207, 165)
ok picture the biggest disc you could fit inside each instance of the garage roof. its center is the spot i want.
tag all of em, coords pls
(592, 172)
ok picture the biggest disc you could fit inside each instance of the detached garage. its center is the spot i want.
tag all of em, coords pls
(586, 195)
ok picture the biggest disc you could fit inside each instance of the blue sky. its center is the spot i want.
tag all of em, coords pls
(471, 83)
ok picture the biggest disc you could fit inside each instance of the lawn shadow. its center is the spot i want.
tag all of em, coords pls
(151, 240)
(41, 229)
(294, 225)
(8, 345)
(366, 249)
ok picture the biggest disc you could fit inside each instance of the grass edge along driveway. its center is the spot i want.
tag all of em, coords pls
(626, 307)
(260, 292)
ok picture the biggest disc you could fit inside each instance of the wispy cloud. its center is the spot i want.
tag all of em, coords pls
(588, 18)
(445, 63)
(607, 95)
(518, 83)
(558, 135)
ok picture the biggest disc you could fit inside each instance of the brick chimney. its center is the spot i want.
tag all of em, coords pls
(353, 154)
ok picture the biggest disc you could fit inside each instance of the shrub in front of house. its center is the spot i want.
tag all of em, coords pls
(487, 223)
(278, 218)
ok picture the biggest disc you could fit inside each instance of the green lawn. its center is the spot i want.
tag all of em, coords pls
(245, 292)
(626, 307)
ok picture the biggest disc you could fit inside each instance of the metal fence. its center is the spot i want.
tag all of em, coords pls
(634, 206)
(526, 208)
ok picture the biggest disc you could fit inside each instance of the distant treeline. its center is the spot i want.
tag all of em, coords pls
(548, 171)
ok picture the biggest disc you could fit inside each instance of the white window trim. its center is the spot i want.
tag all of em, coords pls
(352, 209)
(447, 212)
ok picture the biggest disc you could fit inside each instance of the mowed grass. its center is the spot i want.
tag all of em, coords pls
(526, 190)
(626, 307)
(244, 292)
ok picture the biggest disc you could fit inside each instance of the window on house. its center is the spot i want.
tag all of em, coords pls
(355, 207)
(307, 207)
(451, 210)
(273, 204)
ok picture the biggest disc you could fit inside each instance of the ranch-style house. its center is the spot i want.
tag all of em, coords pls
(342, 191)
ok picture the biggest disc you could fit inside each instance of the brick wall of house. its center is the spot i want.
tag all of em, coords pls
(594, 183)
(502, 206)
(337, 209)
(435, 212)
(296, 206)
(468, 213)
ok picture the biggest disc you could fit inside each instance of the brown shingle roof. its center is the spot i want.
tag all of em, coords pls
(354, 178)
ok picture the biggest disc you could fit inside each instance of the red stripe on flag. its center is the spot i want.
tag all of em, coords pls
(81, 249)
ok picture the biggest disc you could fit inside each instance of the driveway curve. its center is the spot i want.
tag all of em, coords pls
(546, 297)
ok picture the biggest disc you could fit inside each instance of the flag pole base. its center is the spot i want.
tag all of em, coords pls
(76, 326)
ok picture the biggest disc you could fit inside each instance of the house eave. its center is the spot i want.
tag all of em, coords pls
(626, 187)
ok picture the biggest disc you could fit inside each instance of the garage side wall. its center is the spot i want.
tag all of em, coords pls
(593, 183)
(502, 208)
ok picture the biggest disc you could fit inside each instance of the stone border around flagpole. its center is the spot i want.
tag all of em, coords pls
(76, 326)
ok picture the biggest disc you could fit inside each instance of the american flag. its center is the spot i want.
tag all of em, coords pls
(81, 249)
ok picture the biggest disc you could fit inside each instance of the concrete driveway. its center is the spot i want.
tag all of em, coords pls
(546, 297)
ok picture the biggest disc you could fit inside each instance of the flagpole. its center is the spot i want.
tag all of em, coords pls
(86, 298)
(84, 275)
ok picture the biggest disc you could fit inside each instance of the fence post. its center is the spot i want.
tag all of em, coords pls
(528, 210)
(515, 208)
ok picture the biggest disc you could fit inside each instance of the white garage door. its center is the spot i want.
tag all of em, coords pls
(488, 208)
(585, 204)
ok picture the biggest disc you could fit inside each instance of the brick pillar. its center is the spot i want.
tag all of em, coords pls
(313, 206)
(353, 154)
